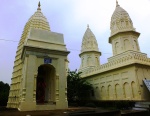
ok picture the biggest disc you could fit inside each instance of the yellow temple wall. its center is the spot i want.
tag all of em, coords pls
(124, 83)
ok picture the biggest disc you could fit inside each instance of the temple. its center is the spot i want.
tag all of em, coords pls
(39, 73)
(126, 75)
(40, 68)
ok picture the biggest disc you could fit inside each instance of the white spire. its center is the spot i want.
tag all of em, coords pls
(89, 42)
(120, 20)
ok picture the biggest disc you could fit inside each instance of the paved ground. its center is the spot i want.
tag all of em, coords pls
(15, 112)
(66, 112)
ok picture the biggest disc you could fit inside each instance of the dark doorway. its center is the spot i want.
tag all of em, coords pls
(45, 84)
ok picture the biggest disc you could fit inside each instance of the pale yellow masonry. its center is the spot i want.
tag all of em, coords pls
(89, 51)
(122, 78)
(39, 73)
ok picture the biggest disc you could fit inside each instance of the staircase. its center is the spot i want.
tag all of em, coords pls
(147, 83)
(143, 105)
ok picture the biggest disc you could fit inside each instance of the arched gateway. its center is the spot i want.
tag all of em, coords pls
(45, 84)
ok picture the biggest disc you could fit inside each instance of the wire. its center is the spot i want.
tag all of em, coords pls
(7, 40)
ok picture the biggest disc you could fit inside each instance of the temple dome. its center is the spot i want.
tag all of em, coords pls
(89, 42)
(37, 20)
(120, 21)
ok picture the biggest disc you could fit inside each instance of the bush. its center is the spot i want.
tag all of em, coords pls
(78, 89)
(90, 105)
(73, 104)
(114, 104)
(4, 92)
(124, 104)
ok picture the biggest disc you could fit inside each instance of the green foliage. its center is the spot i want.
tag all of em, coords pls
(78, 89)
(116, 105)
(124, 104)
(90, 104)
(4, 92)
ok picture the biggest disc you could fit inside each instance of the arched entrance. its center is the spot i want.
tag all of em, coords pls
(45, 84)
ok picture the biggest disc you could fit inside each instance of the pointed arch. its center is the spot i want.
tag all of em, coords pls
(126, 44)
(110, 92)
(97, 91)
(117, 91)
(89, 61)
(82, 62)
(96, 61)
(117, 47)
(103, 91)
(134, 89)
(135, 44)
(126, 90)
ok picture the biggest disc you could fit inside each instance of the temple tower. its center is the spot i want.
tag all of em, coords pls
(123, 35)
(39, 73)
(89, 51)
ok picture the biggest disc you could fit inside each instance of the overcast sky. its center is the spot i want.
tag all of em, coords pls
(69, 17)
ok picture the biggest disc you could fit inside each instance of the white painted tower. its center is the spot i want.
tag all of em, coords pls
(89, 51)
(123, 34)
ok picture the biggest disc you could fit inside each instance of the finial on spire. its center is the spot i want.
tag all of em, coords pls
(117, 3)
(87, 25)
(39, 6)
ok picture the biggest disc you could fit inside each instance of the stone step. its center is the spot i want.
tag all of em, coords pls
(135, 108)
(142, 104)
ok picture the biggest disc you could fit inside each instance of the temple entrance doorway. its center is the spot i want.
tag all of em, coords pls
(45, 84)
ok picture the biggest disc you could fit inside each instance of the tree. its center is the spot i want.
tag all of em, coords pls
(4, 92)
(77, 87)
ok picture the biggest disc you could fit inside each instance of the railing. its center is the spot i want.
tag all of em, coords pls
(119, 60)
